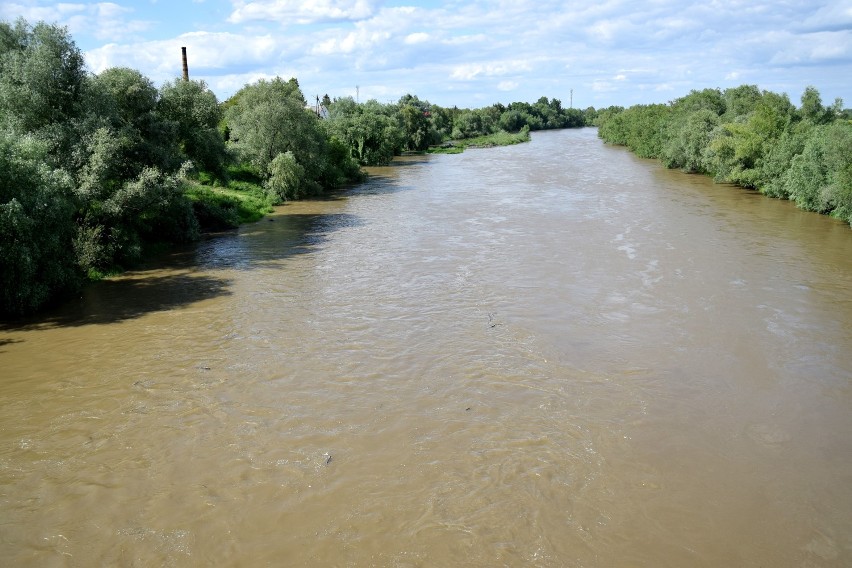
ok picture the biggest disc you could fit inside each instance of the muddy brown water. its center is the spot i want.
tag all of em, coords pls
(551, 354)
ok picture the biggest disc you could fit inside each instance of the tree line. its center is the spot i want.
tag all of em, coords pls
(752, 138)
(377, 132)
(96, 169)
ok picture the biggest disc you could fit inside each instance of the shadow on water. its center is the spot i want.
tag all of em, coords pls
(190, 270)
(270, 241)
(382, 181)
(186, 275)
(127, 297)
(7, 341)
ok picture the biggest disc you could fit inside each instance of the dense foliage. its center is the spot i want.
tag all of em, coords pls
(96, 168)
(755, 139)
(375, 132)
(271, 129)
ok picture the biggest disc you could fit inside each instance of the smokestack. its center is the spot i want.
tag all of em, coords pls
(185, 66)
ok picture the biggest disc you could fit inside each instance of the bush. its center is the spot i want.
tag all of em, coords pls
(285, 178)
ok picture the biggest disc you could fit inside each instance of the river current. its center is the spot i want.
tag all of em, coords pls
(549, 354)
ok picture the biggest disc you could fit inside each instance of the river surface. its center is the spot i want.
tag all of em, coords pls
(550, 354)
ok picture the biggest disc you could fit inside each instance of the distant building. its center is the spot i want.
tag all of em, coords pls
(320, 110)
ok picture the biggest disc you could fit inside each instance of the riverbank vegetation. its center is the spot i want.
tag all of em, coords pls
(501, 138)
(96, 170)
(748, 137)
(376, 132)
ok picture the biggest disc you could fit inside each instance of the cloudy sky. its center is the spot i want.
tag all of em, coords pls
(472, 53)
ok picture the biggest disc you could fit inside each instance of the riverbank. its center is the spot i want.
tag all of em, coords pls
(227, 207)
(750, 138)
(244, 199)
(501, 138)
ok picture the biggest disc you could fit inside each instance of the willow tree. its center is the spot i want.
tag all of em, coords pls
(269, 118)
(196, 113)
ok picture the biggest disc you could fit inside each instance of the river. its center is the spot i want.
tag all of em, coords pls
(550, 354)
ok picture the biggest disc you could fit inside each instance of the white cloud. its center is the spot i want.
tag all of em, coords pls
(105, 21)
(358, 40)
(206, 51)
(453, 52)
(34, 13)
(417, 37)
(302, 12)
(370, 38)
(812, 48)
(469, 71)
(465, 39)
(836, 15)
(603, 86)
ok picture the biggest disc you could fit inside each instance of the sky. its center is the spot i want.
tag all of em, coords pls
(475, 53)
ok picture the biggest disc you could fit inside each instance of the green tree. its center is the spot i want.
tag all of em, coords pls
(469, 124)
(707, 99)
(36, 227)
(737, 150)
(512, 120)
(780, 156)
(42, 76)
(193, 108)
(605, 114)
(751, 138)
(270, 118)
(813, 111)
(127, 177)
(590, 116)
(838, 157)
(573, 118)
(414, 121)
(819, 178)
(740, 101)
(812, 108)
(642, 128)
(550, 112)
(442, 121)
(128, 104)
(689, 133)
(369, 130)
(285, 177)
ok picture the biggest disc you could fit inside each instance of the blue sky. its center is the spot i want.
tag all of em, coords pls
(472, 53)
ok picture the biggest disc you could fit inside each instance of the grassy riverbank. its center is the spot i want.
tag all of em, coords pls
(501, 138)
(218, 208)
(244, 199)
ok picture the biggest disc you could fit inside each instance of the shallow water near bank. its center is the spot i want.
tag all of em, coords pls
(550, 354)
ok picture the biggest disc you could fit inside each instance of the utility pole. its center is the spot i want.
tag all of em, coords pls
(185, 66)
(571, 100)
(357, 94)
